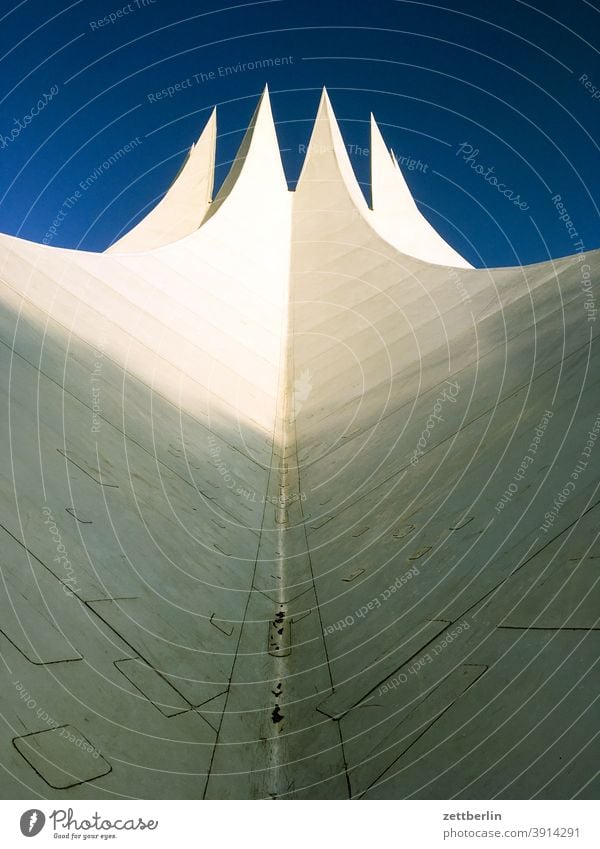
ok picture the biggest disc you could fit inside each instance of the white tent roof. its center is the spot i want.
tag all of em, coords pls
(294, 502)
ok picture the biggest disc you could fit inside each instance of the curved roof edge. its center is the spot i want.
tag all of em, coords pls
(396, 216)
(185, 204)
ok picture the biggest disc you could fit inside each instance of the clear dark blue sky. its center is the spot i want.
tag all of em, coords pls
(507, 78)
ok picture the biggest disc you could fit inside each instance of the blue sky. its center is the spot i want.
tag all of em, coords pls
(511, 87)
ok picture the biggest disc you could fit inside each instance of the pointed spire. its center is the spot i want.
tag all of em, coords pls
(184, 206)
(257, 164)
(385, 173)
(327, 172)
(396, 216)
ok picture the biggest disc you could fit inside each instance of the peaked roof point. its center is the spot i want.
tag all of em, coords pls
(258, 161)
(396, 216)
(183, 207)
